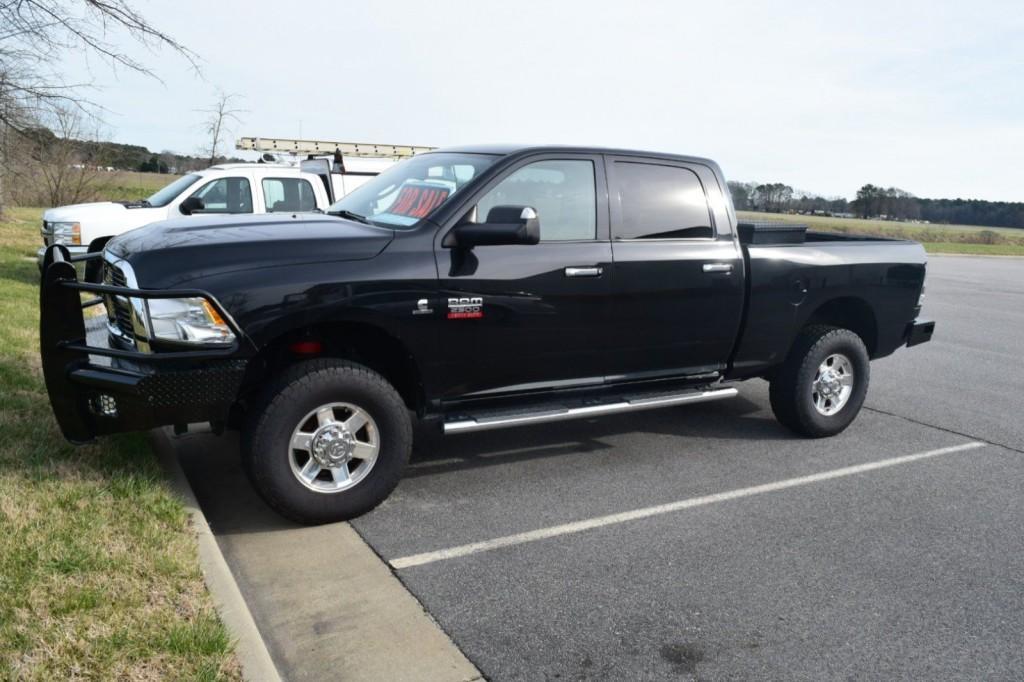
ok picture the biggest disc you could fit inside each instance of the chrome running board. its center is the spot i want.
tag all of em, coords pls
(483, 422)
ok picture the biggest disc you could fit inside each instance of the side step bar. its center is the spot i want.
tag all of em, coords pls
(465, 424)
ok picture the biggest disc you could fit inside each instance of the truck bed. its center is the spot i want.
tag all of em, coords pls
(876, 280)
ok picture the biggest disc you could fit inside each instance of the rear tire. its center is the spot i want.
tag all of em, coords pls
(821, 387)
(327, 441)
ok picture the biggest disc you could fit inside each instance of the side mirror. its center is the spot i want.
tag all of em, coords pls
(505, 225)
(191, 205)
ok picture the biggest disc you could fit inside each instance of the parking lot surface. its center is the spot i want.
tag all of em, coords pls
(652, 547)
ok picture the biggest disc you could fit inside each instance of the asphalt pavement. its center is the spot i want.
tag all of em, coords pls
(707, 541)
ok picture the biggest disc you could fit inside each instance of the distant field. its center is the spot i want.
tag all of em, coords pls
(129, 185)
(936, 238)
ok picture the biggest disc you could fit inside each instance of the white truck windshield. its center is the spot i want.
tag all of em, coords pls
(164, 196)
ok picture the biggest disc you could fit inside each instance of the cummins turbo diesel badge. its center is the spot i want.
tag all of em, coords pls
(465, 308)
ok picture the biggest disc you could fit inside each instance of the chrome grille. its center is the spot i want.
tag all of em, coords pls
(117, 277)
(119, 312)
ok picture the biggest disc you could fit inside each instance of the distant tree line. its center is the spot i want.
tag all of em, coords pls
(101, 154)
(872, 201)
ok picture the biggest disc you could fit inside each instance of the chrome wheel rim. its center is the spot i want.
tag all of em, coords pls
(832, 385)
(334, 447)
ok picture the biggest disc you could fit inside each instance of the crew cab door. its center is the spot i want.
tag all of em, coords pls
(295, 194)
(528, 317)
(677, 284)
(228, 194)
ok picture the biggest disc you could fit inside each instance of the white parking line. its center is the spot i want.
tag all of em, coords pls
(622, 517)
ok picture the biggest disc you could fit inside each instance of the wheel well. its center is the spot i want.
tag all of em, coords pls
(850, 313)
(363, 343)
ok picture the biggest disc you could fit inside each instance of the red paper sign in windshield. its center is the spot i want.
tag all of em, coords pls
(416, 201)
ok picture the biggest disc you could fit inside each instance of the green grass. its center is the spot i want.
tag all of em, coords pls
(975, 249)
(99, 577)
(129, 185)
(968, 239)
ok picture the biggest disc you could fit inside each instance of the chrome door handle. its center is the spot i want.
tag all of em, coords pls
(584, 272)
(718, 267)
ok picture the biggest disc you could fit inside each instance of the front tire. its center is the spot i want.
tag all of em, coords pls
(821, 387)
(327, 441)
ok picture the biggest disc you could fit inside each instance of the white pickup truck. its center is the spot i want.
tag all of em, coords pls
(227, 188)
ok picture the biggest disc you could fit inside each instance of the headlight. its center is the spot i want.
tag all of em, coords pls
(187, 319)
(66, 233)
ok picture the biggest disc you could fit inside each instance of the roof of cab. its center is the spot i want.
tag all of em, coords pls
(253, 165)
(522, 149)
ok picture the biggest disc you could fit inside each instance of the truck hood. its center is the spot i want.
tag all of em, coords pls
(173, 252)
(104, 217)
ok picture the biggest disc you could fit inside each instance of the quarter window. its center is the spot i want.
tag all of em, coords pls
(226, 195)
(562, 192)
(660, 202)
(288, 194)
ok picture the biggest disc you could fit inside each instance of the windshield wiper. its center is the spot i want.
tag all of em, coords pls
(342, 213)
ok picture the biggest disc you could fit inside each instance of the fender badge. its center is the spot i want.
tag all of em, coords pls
(465, 308)
(422, 307)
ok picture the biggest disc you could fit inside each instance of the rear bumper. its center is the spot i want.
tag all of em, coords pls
(96, 388)
(919, 331)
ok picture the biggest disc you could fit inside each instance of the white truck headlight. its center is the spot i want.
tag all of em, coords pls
(69, 234)
(192, 320)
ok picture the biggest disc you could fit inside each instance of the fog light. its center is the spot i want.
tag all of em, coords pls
(104, 405)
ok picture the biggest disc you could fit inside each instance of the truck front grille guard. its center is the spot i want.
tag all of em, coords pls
(82, 393)
(62, 333)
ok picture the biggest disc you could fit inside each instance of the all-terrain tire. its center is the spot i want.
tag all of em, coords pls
(302, 388)
(791, 389)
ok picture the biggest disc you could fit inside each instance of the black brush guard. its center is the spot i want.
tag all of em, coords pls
(136, 390)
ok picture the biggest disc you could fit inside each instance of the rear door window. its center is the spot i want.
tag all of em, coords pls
(660, 202)
(288, 195)
(226, 195)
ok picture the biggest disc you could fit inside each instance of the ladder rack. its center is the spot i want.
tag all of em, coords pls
(358, 149)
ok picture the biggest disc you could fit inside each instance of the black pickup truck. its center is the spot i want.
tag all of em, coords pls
(478, 288)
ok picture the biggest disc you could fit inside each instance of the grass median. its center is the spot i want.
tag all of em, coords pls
(99, 577)
(964, 239)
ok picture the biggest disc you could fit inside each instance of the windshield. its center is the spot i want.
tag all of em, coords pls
(412, 189)
(166, 195)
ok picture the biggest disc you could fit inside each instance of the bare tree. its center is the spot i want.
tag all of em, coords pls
(64, 161)
(38, 36)
(219, 117)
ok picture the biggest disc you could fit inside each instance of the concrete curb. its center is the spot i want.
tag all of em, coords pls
(257, 666)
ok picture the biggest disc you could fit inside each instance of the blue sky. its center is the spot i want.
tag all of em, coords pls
(826, 96)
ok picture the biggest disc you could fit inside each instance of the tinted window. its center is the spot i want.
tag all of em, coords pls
(660, 202)
(226, 195)
(562, 193)
(288, 194)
